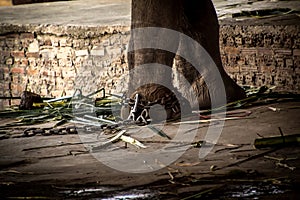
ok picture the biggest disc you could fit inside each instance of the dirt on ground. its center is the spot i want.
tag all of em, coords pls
(83, 166)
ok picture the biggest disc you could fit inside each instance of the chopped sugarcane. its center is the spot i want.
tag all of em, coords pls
(277, 141)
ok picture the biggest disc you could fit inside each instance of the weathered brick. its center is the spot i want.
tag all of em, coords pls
(264, 51)
(56, 93)
(296, 52)
(64, 52)
(32, 62)
(13, 36)
(32, 54)
(232, 50)
(47, 63)
(55, 42)
(84, 52)
(16, 79)
(68, 73)
(113, 51)
(62, 62)
(86, 42)
(48, 42)
(105, 43)
(5, 87)
(18, 70)
(9, 61)
(27, 36)
(283, 51)
(69, 63)
(238, 40)
(98, 51)
(76, 43)
(62, 42)
(95, 42)
(70, 84)
(48, 53)
(18, 54)
(54, 64)
(4, 53)
(78, 62)
(288, 42)
(268, 40)
(51, 74)
(34, 47)
(44, 92)
(267, 69)
(24, 62)
(296, 44)
(69, 42)
(230, 69)
(32, 71)
(249, 51)
(250, 59)
(279, 62)
(289, 63)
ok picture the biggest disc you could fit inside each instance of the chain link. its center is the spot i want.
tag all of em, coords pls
(140, 108)
(49, 131)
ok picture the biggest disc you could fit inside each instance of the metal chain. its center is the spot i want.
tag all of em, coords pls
(65, 130)
(140, 108)
(49, 131)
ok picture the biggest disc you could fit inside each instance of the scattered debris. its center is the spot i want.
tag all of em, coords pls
(281, 160)
(213, 168)
(274, 109)
(159, 132)
(247, 159)
(95, 111)
(130, 140)
(171, 180)
(187, 164)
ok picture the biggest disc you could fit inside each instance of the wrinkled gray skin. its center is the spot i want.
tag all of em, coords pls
(198, 20)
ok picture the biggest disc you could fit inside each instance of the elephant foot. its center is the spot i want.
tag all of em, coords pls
(158, 103)
(199, 95)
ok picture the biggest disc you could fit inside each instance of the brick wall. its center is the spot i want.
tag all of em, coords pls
(53, 60)
(262, 55)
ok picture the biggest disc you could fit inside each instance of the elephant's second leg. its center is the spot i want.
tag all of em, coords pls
(200, 23)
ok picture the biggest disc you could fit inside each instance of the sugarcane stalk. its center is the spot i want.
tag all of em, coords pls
(277, 141)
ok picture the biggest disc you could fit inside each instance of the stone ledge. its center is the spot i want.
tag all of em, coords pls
(283, 20)
(62, 30)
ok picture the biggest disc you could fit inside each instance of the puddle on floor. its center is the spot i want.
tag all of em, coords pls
(247, 191)
(133, 194)
(231, 191)
(109, 193)
(251, 191)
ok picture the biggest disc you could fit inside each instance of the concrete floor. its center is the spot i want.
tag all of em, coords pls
(62, 161)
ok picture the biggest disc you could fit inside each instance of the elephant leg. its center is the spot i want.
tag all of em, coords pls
(153, 82)
(200, 22)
